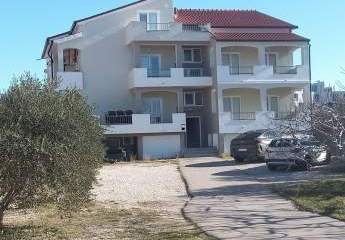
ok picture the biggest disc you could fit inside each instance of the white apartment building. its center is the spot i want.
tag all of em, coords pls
(165, 81)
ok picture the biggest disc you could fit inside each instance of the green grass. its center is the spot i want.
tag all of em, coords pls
(325, 197)
(98, 222)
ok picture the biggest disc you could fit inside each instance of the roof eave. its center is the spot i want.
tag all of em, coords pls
(49, 39)
(251, 40)
(270, 27)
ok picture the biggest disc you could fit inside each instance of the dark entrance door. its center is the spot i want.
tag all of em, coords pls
(193, 132)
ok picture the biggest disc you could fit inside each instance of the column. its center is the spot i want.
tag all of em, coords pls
(262, 55)
(220, 100)
(305, 55)
(263, 99)
(180, 101)
(218, 55)
(306, 95)
(138, 101)
(136, 55)
(179, 55)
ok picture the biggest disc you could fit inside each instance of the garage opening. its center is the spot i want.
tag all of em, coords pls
(121, 148)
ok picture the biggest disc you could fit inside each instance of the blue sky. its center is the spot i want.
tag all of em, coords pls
(25, 25)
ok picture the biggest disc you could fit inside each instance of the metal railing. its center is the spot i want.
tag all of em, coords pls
(158, 72)
(196, 72)
(194, 28)
(118, 120)
(243, 116)
(284, 115)
(158, 27)
(241, 70)
(285, 69)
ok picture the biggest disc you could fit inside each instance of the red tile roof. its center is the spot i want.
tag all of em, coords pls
(258, 37)
(230, 18)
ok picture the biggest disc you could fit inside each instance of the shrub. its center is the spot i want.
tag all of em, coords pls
(50, 145)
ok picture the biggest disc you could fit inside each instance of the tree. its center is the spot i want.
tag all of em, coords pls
(50, 145)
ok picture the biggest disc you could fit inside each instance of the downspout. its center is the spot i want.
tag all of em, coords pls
(51, 61)
(310, 84)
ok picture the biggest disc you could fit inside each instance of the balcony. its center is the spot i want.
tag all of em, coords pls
(140, 31)
(143, 124)
(243, 122)
(174, 77)
(69, 80)
(262, 74)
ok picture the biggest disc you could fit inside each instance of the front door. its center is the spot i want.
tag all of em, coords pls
(193, 132)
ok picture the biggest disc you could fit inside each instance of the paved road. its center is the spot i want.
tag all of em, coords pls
(233, 202)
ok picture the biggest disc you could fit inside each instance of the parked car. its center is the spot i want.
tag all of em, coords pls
(292, 152)
(251, 146)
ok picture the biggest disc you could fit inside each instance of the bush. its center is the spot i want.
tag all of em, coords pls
(50, 145)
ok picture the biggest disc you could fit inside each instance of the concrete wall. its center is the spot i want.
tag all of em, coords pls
(169, 146)
(250, 98)
(167, 53)
(248, 55)
(169, 102)
(106, 59)
(286, 100)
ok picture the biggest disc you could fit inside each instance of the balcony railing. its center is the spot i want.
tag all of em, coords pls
(241, 70)
(196, 72)
(244, 116)
(285, 69)
(194, 27)
(284, 115)
(153, 73)
(119, 118)
(158, 27)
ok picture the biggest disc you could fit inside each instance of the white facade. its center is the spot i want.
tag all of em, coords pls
(162, 86)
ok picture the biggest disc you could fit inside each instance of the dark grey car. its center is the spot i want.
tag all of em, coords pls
(252, 145)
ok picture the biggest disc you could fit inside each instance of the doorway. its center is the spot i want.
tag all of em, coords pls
(193, 132)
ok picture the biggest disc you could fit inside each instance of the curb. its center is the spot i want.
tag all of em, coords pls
(190, 197)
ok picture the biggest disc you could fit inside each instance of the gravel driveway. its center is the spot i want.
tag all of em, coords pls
(139, 184)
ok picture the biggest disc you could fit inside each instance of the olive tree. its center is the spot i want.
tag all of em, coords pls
(50, 145)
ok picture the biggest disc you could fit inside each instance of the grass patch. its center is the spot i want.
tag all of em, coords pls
(325, 197)
(97, 222)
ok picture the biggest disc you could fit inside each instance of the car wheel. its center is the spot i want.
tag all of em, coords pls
(328, 158)
(272, 168)
(305, 165)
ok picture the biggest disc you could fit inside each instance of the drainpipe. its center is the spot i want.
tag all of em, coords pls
(51, 61)
(310, 74)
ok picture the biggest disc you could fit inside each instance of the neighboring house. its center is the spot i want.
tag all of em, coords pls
(325, 95)
(320, 93)
(167, 80)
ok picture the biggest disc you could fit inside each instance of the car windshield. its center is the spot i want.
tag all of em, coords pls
(310, 143)
(283, 143)
(252, 134)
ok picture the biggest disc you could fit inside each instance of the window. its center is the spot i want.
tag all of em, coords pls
(150, 18)
(233, 61)
(193, 99)
(232, 104)
(192, 55)
(70, 60)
